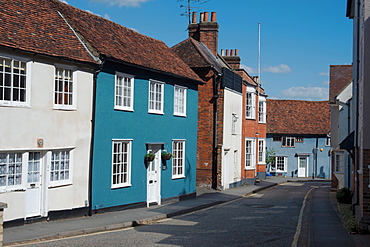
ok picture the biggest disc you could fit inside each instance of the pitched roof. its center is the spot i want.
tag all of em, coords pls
(197, 55)
(340, 77)
(33, 26)
(112, 40)
(298, 117)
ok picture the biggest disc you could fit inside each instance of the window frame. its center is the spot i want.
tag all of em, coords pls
(63, 106)
(59, 182)
(262, 110)
(252, 154)
(288, 141)
(123, 77)
(285, 163)
(250, 105)
(177, 157)
(176, 106)
(339, 168)
(261, 152)
(127, 183)
(154, 110)
(21, 185)
(234, 120)
(12, 103)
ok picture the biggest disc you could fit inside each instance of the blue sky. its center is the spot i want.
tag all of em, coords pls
(300, 39)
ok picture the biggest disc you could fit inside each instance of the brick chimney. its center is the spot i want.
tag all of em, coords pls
(206, 31)
(232, 58)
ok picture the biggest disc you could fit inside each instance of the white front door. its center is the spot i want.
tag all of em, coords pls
(154, 176)
(35, 185)
(302, 166)
(226, 170)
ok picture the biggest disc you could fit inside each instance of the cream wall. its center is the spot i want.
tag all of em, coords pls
(22, 126)
(233, 102)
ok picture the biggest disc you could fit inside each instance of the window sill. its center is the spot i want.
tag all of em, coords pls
(123, 109)
(179, 115)
(12, 190)
(177, 177)
(15, 105)
(60, 184)
(249, 168)
(64, 108)
(156, 113)
(119, 186)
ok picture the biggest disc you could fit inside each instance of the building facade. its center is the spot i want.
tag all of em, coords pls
(145, 104)
(298, 141)
(46, 105)
(359, 143)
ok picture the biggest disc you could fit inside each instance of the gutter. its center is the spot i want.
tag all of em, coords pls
(98, 69)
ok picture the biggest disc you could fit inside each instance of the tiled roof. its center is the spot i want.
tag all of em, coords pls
(298, 117)
(340, 77)
(32, 25)
(114, 41)
(198, 55)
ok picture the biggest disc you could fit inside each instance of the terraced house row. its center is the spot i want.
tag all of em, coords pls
(89, 107)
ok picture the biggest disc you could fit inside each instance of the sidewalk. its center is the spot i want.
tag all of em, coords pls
(133, 217)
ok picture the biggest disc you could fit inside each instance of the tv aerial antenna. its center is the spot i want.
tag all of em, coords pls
(189, 7)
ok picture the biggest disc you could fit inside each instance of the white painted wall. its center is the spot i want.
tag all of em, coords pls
(233, 102)
(22, 126)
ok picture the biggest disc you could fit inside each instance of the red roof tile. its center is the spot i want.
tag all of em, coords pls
(298, 117)
(340, 77)
(33, 25)
(115, 41)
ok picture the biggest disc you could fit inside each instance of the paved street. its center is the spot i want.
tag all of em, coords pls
(268, 218)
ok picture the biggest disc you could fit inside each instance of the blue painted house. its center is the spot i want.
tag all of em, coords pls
(146, 102)
(297, 138)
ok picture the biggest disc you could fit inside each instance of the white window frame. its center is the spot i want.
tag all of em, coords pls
(278, 158)
(27, 88)
(250, 154)
(121, 163)
(288, 141)
(262, 110)
(234, 120)
(156, 97)
(124, 92)
(250, 105)
(339, 161)
(6, 173)
(328, 141)
(261, 151)
(60, 182)
(57, 91)
(178, 159)
(179, 106)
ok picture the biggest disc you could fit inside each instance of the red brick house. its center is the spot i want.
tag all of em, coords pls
(220, 156)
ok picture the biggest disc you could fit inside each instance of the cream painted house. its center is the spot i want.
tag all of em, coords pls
(46, 95)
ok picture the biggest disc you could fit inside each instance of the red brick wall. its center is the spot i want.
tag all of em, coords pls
(249, 129)
(205, 176)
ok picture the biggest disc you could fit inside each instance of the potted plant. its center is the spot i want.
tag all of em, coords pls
(166, 155)
(149, 156)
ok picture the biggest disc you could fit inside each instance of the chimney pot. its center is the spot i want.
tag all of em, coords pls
(213, 16)
(222, 52)
(232, 52)
(227, 52)
(205, 16)
(201, 17)
(236, 52)
(194, 19)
